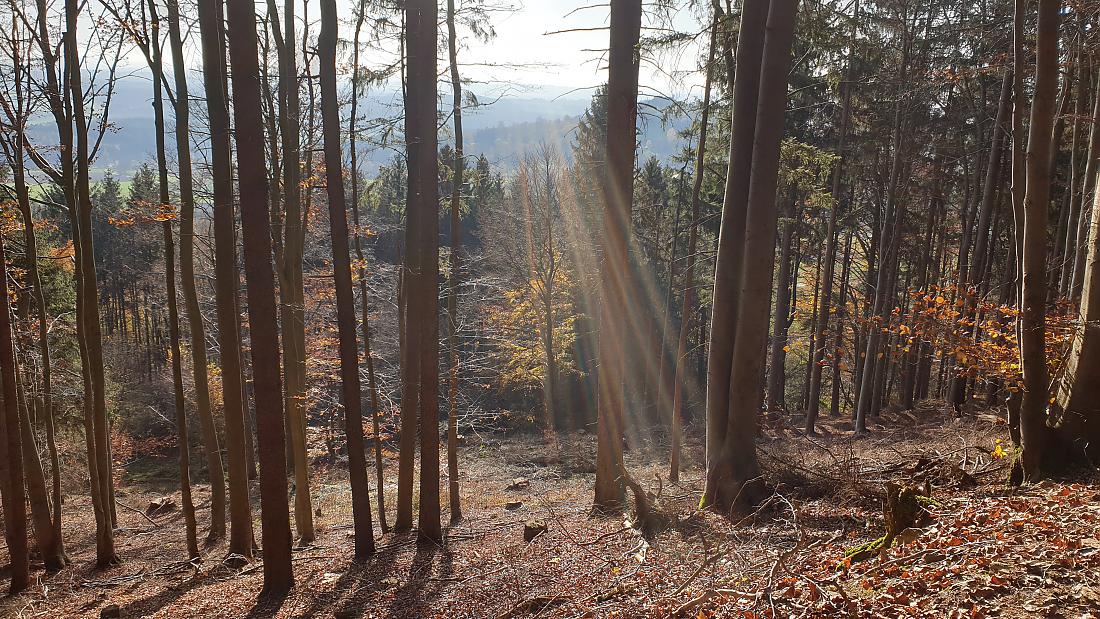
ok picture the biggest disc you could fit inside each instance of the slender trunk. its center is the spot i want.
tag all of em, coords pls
(817, 356)
(187, 280)
(687, 310)
(166, 212)
(1036, 202)
(351, 394)
(777, 369)
(263, 322)
(456, 272)
(615, 278)
(88, 312)
(372, 383)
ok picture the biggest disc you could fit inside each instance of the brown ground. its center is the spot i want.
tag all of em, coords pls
(989, 552)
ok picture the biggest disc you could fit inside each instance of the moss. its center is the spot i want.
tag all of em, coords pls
(865, 550)
(906, 507)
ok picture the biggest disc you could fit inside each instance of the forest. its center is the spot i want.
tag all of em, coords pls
(799, 318)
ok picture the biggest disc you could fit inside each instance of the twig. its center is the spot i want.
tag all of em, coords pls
(138, 511)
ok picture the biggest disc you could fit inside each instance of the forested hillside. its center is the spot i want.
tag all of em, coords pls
(779, 308)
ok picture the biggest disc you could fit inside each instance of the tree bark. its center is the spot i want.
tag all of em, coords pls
(615, 277)
(263, 322)
(421, 134)
(733, 473)
(351, 394)
(187, 280)
(1033, 415)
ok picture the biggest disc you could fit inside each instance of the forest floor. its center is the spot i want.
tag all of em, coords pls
(988, 552)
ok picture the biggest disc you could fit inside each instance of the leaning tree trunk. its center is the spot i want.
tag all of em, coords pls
(263, 321)
(1033, 417)
(351, 394)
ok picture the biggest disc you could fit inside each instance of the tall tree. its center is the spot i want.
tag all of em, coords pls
(195, 325)
(263, 321)
(226, 278)
(88, 316)
(615, 277)
(11, 447)
(422, 302)
(687, 309)
(165, 213)
(731, 238)
(456, 266)
(351, 394)
(732, 471)
(1033, 430)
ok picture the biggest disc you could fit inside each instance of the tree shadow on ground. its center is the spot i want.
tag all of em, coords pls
(267, 605)
(360, 587)
(149, 605)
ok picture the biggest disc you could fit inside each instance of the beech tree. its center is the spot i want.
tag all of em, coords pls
(351, 394)
(263, 322)
(732, 471)
(421, 333)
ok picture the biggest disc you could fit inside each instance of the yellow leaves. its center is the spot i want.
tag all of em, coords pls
(998, 450)
(787, 348)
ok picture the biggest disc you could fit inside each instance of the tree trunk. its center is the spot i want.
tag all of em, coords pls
(1033, 415)
(423, 287)
(456, 270)
(731, 237)
(291, 288)
(238, 441)
(362, 274)
(263, 322)
(88, 311)
(733, 473)
(165, 214)
(11, 447)
(187, 280)
(615, 277)
(687, 310)
(351, 394)
(784, 316)
(817, 356)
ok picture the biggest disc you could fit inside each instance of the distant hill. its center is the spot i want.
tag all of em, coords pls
(502, 129)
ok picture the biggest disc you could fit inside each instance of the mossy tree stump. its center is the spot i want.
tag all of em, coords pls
(906, 507)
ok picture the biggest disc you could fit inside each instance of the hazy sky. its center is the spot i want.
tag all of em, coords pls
(570, 60)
